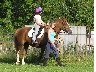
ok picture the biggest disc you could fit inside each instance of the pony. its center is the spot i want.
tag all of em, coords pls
(22, 41)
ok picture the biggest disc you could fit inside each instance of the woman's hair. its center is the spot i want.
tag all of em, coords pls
(52, 24)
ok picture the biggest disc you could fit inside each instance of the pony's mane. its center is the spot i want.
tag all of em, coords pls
(59, 20)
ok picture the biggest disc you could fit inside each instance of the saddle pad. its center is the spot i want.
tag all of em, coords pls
(30, 33)
(41, 33)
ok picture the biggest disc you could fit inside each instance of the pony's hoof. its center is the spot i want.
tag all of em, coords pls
(23, 63)
(17, 63)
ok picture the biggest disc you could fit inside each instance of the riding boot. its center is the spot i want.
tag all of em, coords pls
(45, 61)
(58, 61)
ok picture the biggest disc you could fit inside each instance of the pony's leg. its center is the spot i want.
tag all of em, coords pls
(24, 53)
(18, 48)
(17, 55)
(41, 54)
(23, 56)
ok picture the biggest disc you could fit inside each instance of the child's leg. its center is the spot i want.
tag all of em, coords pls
(37, 29)
(36, 32)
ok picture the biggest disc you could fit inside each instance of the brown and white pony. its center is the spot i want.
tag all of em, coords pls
(22, 41)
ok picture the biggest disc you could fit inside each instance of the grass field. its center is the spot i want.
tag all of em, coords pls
(71, 67)
(86, 64)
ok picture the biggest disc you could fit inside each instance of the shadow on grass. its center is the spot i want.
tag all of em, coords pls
(33, 59)
(11, 59)
(7, 59)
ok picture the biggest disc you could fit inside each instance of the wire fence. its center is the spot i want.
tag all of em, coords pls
(7, 44)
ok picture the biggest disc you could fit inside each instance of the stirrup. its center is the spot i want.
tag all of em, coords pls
(35, 41)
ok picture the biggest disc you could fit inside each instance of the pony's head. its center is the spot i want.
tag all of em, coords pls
(65, 26)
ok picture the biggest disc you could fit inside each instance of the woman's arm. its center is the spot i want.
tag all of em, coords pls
(49, 31)
(49, 35)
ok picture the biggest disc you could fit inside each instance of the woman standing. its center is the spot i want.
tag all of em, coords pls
(51, 45)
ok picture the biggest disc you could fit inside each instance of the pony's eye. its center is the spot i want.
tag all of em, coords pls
(62, 22)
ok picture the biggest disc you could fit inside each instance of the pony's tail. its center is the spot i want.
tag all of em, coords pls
(15, 38)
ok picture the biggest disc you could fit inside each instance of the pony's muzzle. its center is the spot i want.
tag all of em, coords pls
(70, 32)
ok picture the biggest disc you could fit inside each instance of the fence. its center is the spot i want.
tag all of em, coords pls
(77, 41)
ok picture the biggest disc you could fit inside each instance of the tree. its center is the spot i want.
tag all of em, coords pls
(16, 13)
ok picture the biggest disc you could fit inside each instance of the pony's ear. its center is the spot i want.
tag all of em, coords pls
(59, 17)
(64, 19)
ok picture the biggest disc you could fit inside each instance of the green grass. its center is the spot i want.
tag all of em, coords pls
(70, 67)
(86, 64)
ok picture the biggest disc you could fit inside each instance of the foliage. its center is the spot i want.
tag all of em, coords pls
(16, 13)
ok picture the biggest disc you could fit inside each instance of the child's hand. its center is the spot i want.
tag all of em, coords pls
(56, 42)
(61, 39)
